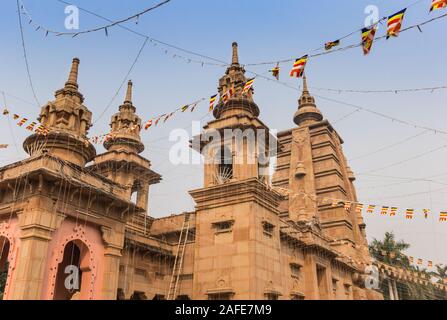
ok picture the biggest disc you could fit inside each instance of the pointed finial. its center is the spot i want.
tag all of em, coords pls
(129, 92)
(235, 59)
(73, 76)
(305, 89)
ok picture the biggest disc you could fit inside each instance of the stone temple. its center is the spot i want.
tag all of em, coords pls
(250, 236)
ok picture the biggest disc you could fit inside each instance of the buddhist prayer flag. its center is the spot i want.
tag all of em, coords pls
(193, 107)
(5, 112)
(393, 211)
(248, 85)
(275, 71)
(184, 108)
(409, 214)
(426, 213)
(168, 116)
(359, 208)
(15, 116)
(384, 210)
(443, 216)
(148, 124)
(438, 4)
(227, 95)
(22, 122)
(395, 24)
(30, 127)
(41, 129)
(329, 45)
(368, 35)
(371, 208)
(158, 119)
(212, 100)
(298, 67)
(430, 263)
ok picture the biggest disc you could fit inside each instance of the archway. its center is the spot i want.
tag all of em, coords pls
(4, 267)
(73, 276)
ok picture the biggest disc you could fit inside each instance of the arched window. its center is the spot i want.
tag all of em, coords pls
(225, 165)
(73, 273)
(4, 252)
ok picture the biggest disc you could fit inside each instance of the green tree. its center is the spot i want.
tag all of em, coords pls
(441, 272)
(391, 252)
(3, 275)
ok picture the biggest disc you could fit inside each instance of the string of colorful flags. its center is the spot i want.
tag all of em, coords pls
(30, 126)
(155, 42)
(394, 28)
(411, 259)
(163, 118)
(370, 208)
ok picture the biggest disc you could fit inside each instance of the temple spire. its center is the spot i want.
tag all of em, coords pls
(305, 89)
(72, 82)
(129, 93)
(308, 112)
(235, 58)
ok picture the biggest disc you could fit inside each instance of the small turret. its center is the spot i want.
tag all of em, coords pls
(125, 127)
(308, 112)
(68, 122)
(231, 85)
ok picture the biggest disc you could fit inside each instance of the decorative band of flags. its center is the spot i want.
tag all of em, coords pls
(384, 210)
(40, 129)
(411, 259)
(394, 27)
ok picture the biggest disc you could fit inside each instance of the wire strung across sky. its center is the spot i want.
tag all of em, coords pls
(126, 77)
(25, 55)
(220, 63)
(104, 28)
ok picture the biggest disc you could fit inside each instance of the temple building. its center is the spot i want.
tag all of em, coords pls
(75, 224)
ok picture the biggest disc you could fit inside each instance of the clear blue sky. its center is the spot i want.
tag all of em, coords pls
(265, 30)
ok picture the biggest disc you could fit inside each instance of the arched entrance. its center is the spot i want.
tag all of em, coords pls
(74, 274)
(4, 266)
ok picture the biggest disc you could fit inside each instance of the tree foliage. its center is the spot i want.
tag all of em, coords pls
(391, 252)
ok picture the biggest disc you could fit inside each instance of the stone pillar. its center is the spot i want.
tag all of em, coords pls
(37, 225)
(310, 278)
(143, 196)
(114, 242)
(111, 272)
(396, 293)
(391, 290)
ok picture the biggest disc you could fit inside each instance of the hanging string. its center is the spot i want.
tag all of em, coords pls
(123, 81)
(25, 55)
(77, 33)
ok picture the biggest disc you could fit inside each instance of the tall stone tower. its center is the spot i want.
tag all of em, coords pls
(311, 164)
(122, 162)
(69, 121)
(237, 226)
